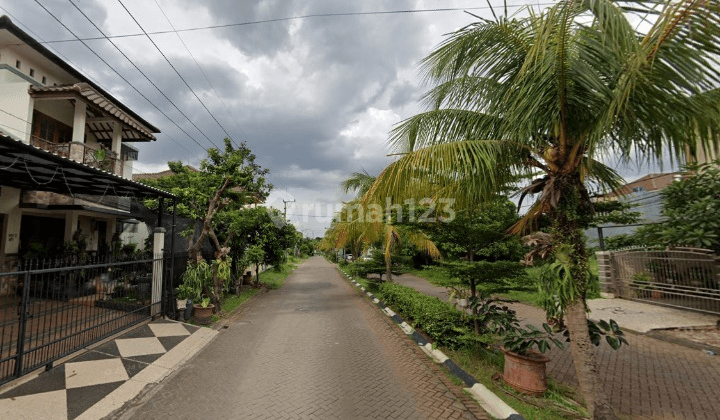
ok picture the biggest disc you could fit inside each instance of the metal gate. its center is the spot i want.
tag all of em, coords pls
(684, 278)
(52, 308)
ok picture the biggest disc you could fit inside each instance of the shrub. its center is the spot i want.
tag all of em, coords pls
(439, 320)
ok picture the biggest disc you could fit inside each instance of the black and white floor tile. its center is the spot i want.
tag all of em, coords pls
(67, 391)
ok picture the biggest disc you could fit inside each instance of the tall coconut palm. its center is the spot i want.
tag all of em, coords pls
(554, 92)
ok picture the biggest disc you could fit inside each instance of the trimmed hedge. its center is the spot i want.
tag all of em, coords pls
(439, 320)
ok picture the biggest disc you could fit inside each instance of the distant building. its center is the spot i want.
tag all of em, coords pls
(644, 194)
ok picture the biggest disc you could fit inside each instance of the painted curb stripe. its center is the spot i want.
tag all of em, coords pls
(419, 339)
(492, 404)
(460, 373)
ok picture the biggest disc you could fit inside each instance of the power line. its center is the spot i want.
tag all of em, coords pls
(176, 72)
(291, 18)
(86, 75)
(116, 72)
(126, 81)
(203, 72)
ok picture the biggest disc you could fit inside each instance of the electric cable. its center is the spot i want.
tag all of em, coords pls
(174, 69)
(90, 78)
(126, 81)
(302, 17)
(207, 79)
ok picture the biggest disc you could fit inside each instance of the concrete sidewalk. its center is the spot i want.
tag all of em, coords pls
(650, 379)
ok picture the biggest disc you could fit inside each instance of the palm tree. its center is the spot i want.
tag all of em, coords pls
(550, 94)
(360, 229)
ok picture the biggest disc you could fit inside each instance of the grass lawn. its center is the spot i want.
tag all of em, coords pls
(274, 277)
(555, 405)
(232, 302)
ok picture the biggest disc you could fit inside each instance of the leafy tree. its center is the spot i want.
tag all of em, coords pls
(690, 209)
(552, 92)
(226, 181)
(255, 255)
(479, 233)
(491, 256)
(258, 227)
(485, 278)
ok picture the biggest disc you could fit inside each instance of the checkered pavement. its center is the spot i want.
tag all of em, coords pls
(70, 390)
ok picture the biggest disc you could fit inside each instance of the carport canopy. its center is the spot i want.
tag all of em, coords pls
(30, 168)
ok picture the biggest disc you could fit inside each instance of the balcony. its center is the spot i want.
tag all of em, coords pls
(99, 157)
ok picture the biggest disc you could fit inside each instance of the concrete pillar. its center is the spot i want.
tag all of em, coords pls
(116, 147)
(71, 222)
(28, 124)
(158, 248)
(606, 273)
(78, 135)
(12, 233)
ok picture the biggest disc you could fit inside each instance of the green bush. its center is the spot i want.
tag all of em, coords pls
(439, 320)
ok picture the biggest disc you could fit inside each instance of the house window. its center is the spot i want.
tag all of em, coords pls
(44, 80)
(49, 129)
(32, 72)
(18, 64)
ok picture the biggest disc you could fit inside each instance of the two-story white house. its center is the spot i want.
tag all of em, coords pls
(66, 154)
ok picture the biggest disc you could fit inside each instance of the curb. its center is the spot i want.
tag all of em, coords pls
(490, 402)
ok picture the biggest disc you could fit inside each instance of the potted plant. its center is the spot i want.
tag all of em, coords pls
(184, 292)
(203, 311)
(525, 368)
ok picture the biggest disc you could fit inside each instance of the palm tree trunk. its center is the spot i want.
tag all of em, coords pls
(566, 223)
(583, 354)
(388, 268)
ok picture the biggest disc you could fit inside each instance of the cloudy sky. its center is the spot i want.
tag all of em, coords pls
(313, 97)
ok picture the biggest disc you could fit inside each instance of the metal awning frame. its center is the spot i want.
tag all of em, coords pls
(27, 167)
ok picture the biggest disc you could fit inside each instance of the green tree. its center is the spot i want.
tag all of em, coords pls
(226, 181)
(551, 93)
(690, 209)
(479, 233)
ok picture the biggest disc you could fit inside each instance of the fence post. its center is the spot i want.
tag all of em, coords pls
(23, 323)
(158, 248)
(605, 272)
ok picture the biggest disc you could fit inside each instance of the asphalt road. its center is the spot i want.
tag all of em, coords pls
(314, 349)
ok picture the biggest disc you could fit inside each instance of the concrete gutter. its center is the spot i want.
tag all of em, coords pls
(490, 402)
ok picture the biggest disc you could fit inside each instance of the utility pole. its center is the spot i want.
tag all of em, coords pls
(285, 203)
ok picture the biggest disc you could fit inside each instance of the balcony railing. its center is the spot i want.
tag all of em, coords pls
(99, 158)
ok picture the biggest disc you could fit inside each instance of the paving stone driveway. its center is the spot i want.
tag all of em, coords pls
(314, 349)
(650, 379)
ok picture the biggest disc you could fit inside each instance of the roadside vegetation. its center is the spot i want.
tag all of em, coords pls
(529, 105)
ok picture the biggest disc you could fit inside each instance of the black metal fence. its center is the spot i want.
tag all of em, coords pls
(51, 308)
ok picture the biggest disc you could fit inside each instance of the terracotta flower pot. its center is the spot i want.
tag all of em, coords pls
(202, 315)
(526, 373)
